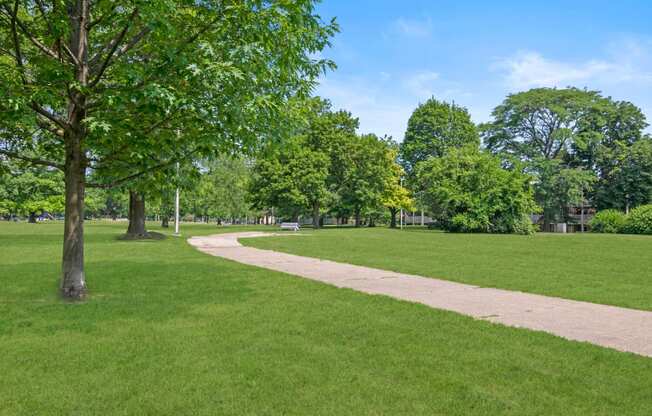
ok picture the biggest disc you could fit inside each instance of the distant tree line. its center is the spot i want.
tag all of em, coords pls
(545, 150)
(326, 168)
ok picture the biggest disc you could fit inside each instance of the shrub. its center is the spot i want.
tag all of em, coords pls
(639, 220)
(608, 221)
(468, 190)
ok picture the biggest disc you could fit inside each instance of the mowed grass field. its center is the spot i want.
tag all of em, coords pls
(601, 268)
(167, 330)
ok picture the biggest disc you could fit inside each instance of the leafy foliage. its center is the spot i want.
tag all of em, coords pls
(31, 192)
(371, 173)
(626, 175)
(396, 196)
(292, 179)
(221, 191)
(639, 220)
(469, 191)
(608, 221)
(580, 146)
(434, 127)
(558, 187)
(540, 123)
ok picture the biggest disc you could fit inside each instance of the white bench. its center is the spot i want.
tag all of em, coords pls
(294, 226)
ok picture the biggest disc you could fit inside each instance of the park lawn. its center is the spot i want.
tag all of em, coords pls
(602, 268)
(168, 330)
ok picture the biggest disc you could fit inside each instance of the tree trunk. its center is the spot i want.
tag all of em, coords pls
(357, 218)
(32, 218)
(315, 215)
(136, 227)
(73, 281)
(165, 221)
(392, 222)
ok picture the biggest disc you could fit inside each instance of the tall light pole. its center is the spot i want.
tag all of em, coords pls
(401, 218)
(176, 206)
(582, 211)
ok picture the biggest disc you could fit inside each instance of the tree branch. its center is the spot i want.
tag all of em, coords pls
(100, 19)
(25, 30)
(33, 161)
(112, 46)
(194, 37)
(141, 173)
(41, 8)
(117, 53)
(47, 126)
(133, 42)
(50, 116)
(18, 55)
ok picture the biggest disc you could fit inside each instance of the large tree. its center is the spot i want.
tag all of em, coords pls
(121, 88)
(433, 128)
(540, 123)
(579, 145)
(469, 191)
(293, 179)
(222, 189)
(370, 174)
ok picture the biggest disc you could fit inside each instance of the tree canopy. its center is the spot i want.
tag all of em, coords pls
(468, 190)
(575, 142)
(122, 88)
(433, 128)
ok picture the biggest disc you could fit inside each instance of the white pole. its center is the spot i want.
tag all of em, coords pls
(176, 208)
(582, 212)
(401, 207)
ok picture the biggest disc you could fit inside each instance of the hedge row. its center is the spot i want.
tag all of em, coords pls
(638, 221)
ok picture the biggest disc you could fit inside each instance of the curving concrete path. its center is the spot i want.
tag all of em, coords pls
(608, 326)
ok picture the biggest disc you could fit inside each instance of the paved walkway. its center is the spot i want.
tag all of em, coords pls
(609, 326)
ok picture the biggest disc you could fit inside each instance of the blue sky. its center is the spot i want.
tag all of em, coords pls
(393, 54)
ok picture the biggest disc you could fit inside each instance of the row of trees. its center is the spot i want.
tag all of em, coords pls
(546, 150)
(327, 168)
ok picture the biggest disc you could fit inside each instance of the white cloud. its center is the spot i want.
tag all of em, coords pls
(624, 71)
(627, 61)
(422, 84)
(426, 84)
(413, 27)
(531, 69)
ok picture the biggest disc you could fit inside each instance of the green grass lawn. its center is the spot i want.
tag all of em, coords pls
(171, 331)
(601, 268)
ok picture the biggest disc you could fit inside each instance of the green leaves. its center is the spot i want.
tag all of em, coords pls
(29, 191)
(166, 78)
(579, 144)
(433, 128)
(469, 191)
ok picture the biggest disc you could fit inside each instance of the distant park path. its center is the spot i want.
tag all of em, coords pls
(609, 326)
